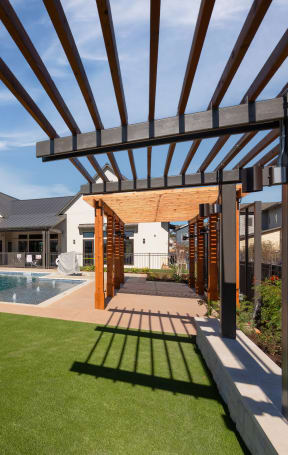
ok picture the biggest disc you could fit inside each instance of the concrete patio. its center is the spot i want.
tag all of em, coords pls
(141, 304)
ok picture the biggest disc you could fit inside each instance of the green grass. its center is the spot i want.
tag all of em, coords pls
(147, 394)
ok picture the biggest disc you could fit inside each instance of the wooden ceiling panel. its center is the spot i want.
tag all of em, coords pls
(157, 205)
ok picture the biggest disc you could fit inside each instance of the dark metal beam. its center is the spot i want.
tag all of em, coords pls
(114, 165)
(268, 156)
(169, 158)
(132, 164)
(228, 262)
(244, 140)
(94, 163)
(230, 120)
(25, 45)
(277, 57)
(248, 31)
(12, 83)
(154, 45)
(201, 28)
(149, 159)
(107, 26)
(174, 181)
(58, 18)
(267, 140)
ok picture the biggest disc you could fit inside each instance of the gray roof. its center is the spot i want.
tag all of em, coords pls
(5, 203)
(33, 213)
(264, 205)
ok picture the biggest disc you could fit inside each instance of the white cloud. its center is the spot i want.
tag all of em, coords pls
(18, 186)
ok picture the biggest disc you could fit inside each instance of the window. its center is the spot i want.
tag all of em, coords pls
(129, 251)
(88, 235)
(88, 252)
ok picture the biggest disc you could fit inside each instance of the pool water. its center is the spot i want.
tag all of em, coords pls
(32, 289)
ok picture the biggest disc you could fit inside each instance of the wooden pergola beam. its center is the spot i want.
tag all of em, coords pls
(267, 140)
(191, 233)
(149, 159)
(155, 6)
(62, 28)
(114, 165)
(99, 257)
(201, 27)
(273, 63)
(200, 256)
(26, 47)
(132, 164)
(94, 163)
(117, 258)
(268, 156)
(122, 252)
(110, 255)
(212, 291)
(170, 154)
(248, 31)
(12, 83)
(244, 140)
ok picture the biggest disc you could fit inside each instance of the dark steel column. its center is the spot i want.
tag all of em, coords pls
(284, 251)
(246, 249)
(228, 262)
(257, 256)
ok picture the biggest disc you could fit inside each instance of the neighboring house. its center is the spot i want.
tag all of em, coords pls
(271, 231)
(34, 232)
(182, 235)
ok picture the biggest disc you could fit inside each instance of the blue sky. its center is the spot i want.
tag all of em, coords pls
(24, 176)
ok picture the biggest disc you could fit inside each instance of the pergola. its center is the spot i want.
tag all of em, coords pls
(247, 118)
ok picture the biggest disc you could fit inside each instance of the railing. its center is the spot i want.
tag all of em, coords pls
(24, 259)
(140, 260)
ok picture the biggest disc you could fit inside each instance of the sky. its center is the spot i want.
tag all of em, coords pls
(24, 176)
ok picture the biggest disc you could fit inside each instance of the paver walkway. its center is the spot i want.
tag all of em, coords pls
(139, 304)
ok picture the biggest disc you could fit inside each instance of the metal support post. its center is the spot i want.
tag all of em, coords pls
(228, 262)
(257, 259)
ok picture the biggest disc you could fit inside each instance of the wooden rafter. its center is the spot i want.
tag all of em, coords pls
(25, 45)
(94, 163)
(149, 159)
(249, 29)
(114, 165)
(58, 19)
(268, 156)
(12, 83)
(245, 139)
(105, 16)
(273, 63)
(201, 27)
(267, 140)
(204, 16)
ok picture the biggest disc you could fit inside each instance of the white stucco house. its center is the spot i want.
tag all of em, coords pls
(35, 231)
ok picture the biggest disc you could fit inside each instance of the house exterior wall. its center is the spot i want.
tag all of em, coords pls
(149, 238)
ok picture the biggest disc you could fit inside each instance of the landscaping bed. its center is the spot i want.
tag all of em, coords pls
(263, 326)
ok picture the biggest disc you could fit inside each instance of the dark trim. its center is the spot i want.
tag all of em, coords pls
(232, 120)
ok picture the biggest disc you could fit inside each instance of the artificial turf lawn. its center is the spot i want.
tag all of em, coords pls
(152, 394)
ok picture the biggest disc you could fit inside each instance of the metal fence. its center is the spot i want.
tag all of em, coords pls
(27, 259)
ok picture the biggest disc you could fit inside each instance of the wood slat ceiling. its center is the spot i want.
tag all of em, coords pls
(157, 205)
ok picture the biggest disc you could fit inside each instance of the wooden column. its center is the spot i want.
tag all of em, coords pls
(191, 255)
(110, 255)
(212, 293)
(122, 250)
(200, 257)
(99, 257)
(117, 254)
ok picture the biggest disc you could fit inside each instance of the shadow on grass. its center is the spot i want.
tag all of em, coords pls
(152, 380)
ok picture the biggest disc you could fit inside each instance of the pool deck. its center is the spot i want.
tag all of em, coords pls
(139, 304)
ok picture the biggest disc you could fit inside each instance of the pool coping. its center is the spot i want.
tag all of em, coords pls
(54, 299)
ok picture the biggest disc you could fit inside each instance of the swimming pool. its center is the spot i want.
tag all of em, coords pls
(34, 288)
